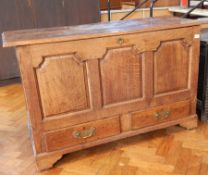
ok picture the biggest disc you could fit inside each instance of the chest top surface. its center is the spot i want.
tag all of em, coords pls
(68, 33)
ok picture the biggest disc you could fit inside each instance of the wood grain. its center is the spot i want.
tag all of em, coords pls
(64, 138)
(192, 124)
(74, 88)
(162, 3)
(139, 13)
(63, 85)
(38, 36)
(125, 67)
(148, 118)
(172, 58)
(28, 14)
(9, 66)
(140, 154)
(31, 97)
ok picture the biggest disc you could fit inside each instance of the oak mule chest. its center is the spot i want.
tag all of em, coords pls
(92, 84)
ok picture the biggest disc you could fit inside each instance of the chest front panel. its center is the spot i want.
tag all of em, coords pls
(171, 67)
(80, 81)
(63, 85)
(121, 75)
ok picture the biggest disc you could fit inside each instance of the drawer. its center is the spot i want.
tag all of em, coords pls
(160, 114)
(83, 133)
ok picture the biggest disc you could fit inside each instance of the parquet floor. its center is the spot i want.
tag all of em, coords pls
(172, 151)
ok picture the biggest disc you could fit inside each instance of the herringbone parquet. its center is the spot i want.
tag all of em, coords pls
(172, 151)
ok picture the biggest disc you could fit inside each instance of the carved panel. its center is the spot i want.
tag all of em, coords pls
(171, 67)
(62, 85)
(121, 75)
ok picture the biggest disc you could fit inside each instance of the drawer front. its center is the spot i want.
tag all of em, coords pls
(160, 114)
(83, 133)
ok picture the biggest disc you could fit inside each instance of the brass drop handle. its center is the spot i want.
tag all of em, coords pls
(162, 115)
(166, 114)
(157, 115)
(85, 133)
(120, 41)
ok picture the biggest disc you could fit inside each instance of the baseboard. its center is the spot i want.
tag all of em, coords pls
(10, 81)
